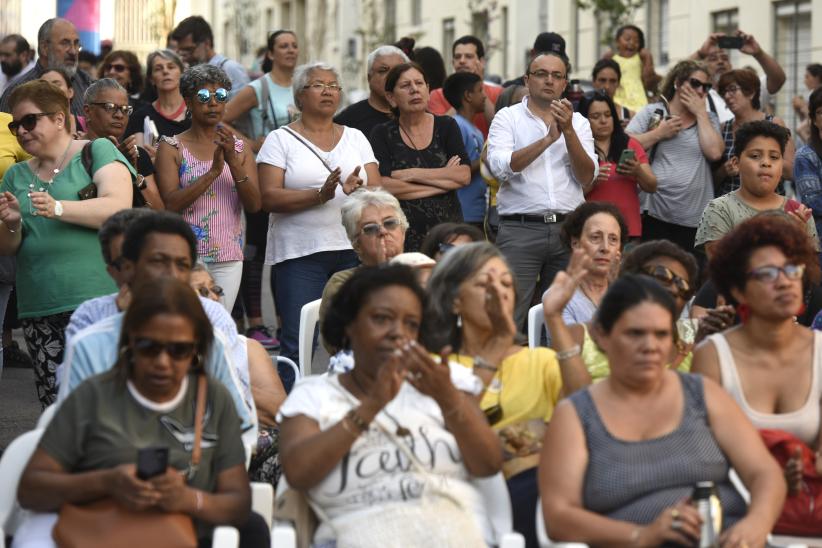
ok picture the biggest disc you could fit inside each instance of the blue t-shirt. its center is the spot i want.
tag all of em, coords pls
(472, 197)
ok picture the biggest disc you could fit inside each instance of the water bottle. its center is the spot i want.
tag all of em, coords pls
(709, 507)
(656, 118)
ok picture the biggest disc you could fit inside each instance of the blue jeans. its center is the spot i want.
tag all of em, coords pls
(300, 281)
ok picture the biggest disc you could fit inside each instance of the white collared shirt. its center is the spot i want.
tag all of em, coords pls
(547, 184)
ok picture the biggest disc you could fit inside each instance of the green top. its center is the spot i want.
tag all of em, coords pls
(59, 264)
(101, 425)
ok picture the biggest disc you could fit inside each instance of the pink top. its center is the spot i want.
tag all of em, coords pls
(622, 191)
(216, 216)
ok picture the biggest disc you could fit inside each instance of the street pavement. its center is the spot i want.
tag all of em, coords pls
(19, 407)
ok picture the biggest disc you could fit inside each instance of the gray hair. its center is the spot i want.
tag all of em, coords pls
(454, 268)
(383, 51)
(44, 32)
(166, 54)
(360, 199)
(99, 86)
(197, 77)
(303, 73)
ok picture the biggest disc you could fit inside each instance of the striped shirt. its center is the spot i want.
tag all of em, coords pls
(685, 182)
(215, 216)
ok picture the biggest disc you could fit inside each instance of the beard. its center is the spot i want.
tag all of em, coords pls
(11, 68)
(55, 61)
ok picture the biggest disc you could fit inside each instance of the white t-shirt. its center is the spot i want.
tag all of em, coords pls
(318, 228)
(375, 471)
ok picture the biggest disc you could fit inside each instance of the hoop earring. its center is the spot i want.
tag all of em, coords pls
(459, 321)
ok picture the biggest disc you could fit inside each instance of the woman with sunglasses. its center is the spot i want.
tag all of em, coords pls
(210, 185)
(446, 236)
(621, 176)
(107, 111)
(89, 450)
(307, 170)
(471, 309)
(771, 365)
(386, 451)
(124, 67)
(740, 90)
(164, 110)
(621, 458)
(52, 232)
(680, 149)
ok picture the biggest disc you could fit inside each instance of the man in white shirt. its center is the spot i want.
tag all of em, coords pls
(719, 63)
(542, 152)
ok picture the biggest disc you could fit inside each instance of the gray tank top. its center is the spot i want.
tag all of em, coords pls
(634, 480)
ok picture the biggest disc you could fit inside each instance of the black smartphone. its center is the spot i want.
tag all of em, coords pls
(729, 42)
(151, 461)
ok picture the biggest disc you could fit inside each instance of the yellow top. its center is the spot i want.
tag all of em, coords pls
(631, 91)
(10, 150)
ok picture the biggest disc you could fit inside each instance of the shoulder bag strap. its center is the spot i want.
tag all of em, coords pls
(199, 413)
(309, 147)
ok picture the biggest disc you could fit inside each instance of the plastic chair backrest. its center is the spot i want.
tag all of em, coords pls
(46, 416)
(283, 362)
(497, 504)
(536, 321)
(309, 316)
(14, 461)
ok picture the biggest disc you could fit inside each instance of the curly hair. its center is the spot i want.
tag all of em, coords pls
(346, 304)
(729, 265)
(635, 260)
(677, 75)
(197, 77)
(575, 221)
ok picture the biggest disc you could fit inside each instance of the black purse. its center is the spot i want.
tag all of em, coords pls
(90, 190)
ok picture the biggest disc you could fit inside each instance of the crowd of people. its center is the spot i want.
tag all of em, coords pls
(662, 228)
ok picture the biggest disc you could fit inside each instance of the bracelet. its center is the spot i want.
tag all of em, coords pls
(241, 181)
(456, 410)
(199, 495)
(357, 421)
(348, 429)
(635, 534)
(8, 227)
(482, 363)
(320, 195)
(570, 353)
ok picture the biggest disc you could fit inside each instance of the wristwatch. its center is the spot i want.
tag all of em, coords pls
(58, 208)
(141, 182)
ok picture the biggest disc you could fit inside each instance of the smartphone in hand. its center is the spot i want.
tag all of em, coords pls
(151, 462)
(729, 42)
(627, 154)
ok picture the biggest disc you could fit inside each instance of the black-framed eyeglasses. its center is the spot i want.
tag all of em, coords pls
(373, 229)
(216, 289)
(666, 276)
(696, 83)
(111, 108)
(27, 122)
(68, 44)
(769, 274)
(730, 89)
(544, 74)
(220, 94)
(176, 350)
(116, 67)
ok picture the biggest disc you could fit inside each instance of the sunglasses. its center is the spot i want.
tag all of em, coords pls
(27, 122)
(373, 229)
(664, 275)
(696, 84)
(116, 68)
(111, 108)
(769, 274)
(204, 95)
(216, 289)
(149, 348)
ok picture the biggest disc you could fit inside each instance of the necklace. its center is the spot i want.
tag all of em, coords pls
(413, 144)
(326, 153)
(401, 430)
(54, 172)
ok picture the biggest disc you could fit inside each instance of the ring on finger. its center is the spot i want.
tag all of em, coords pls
(676, 525)
(674, 514)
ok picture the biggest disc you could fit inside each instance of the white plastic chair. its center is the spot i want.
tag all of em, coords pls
(542, 535)
(536, 321)
(495, 501)
(45, 417)
(14, 461)
(309, 316)
(289, 363)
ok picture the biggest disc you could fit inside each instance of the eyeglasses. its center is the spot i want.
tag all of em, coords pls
(27, 122)
(769, 274)
(445, 247)
(664, 275)
(697, 83)
(204, 95)
(116, 68)
(111, 108)
(731, 90)
(216, 289)
(373, 229)
(322, 86)
(68, 44)
(544, 74)
(149, 348)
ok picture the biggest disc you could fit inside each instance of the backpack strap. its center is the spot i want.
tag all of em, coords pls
(87, 159)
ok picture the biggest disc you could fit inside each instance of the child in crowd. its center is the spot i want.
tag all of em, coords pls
(464, 91)
(637, 65)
